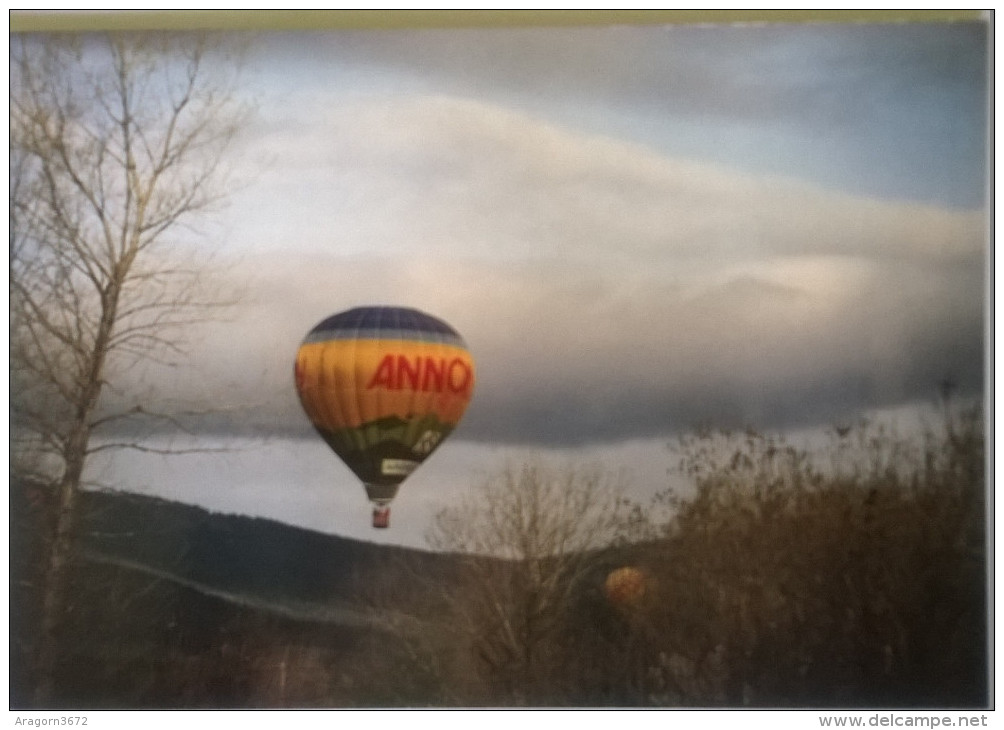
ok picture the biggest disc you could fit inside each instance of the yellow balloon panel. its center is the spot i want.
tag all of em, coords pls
(346, 383)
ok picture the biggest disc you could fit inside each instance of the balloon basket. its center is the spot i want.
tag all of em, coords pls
(381, 517)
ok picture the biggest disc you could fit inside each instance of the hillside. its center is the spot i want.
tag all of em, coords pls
(257, 562)
(175, 606)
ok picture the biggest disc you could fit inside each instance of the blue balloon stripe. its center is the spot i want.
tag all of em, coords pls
(385, 318)
(326, 335)
(381, 323)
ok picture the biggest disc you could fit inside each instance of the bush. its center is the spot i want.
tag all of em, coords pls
(858, 578)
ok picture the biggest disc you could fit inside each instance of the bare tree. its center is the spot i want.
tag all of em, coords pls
(117, 144)
(529, 539)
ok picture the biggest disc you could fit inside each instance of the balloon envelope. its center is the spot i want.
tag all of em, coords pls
(384, 386)
(625, 586)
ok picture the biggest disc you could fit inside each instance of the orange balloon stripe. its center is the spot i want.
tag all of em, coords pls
(345, 383)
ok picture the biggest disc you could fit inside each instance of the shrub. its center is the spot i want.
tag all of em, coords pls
(851, 576)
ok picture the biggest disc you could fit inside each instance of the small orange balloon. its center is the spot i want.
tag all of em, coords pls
(625, 586)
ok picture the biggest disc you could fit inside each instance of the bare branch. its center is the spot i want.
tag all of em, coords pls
(172, 451)
(536, 531)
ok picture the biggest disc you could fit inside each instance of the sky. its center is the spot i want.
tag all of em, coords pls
(636, 229)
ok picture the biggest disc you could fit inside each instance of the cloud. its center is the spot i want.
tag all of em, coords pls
(891, 109)
(607, 291)
(436, 172)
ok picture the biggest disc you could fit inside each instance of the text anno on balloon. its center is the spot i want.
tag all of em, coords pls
(397, 372)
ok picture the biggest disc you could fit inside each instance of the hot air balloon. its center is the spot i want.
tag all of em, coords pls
(383, 386)
(625, 586)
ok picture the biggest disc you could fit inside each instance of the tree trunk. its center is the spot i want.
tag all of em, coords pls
(54, 602)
